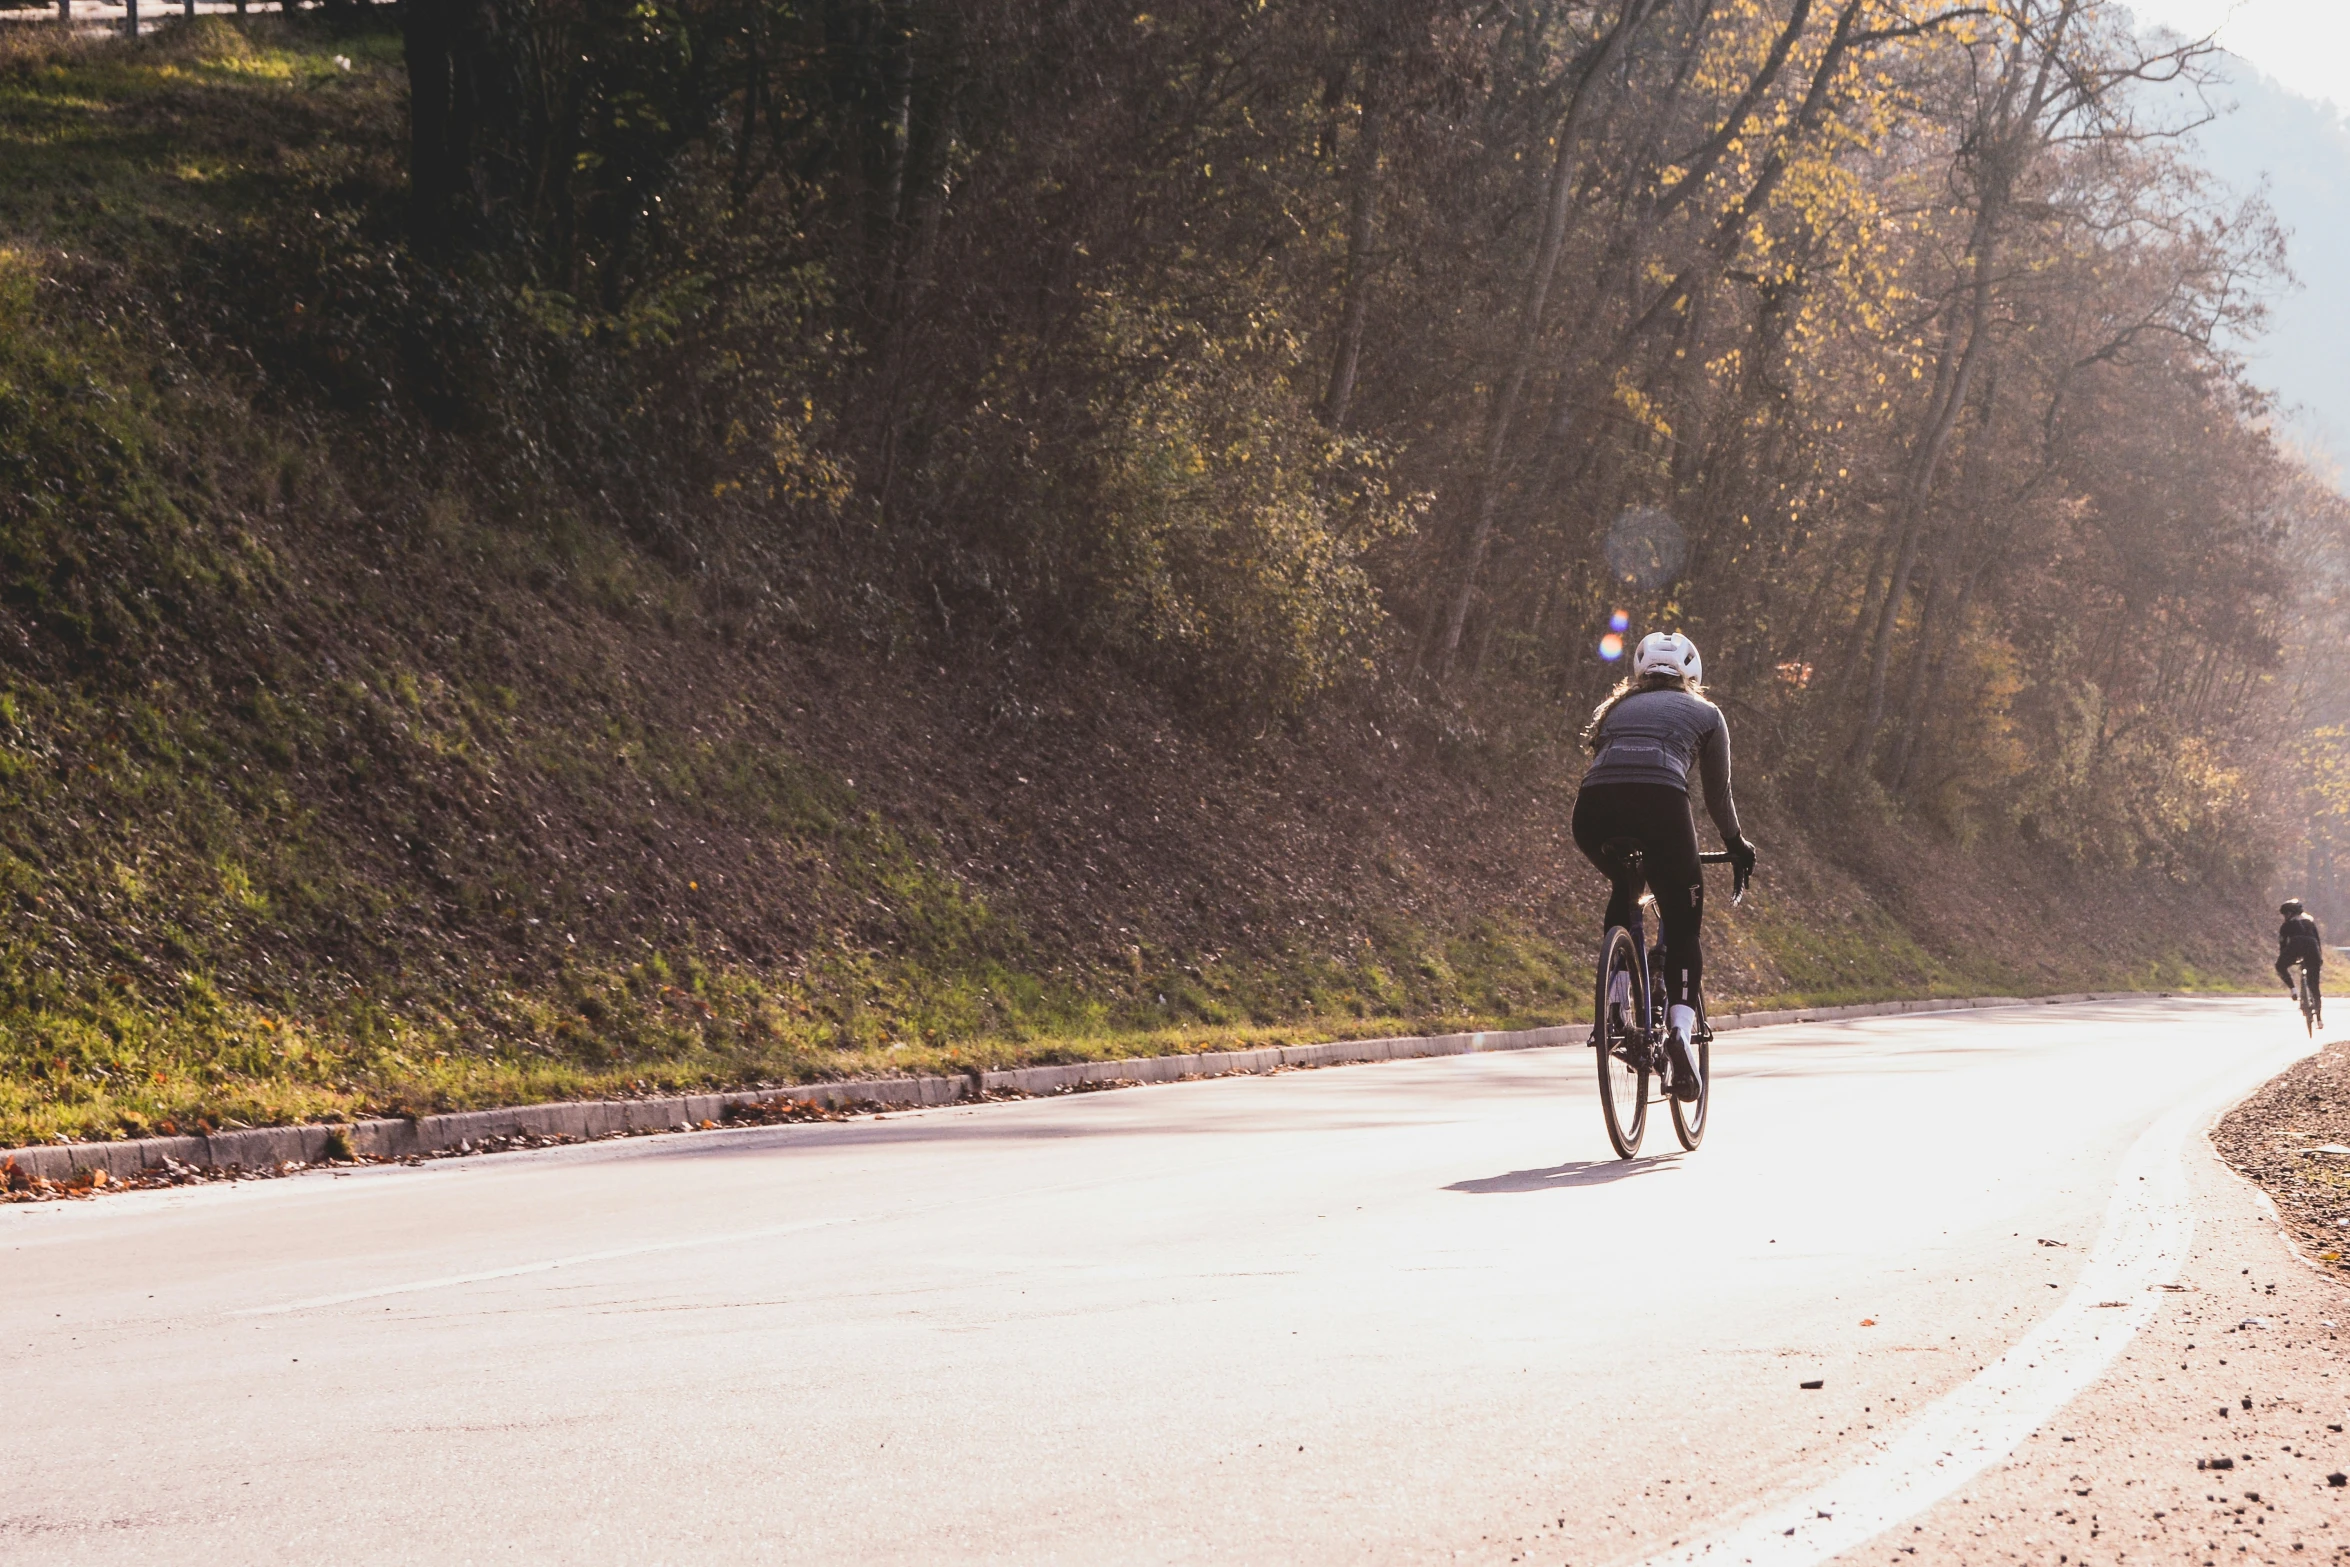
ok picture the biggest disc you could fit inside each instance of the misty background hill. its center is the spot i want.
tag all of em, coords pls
(2298, 150)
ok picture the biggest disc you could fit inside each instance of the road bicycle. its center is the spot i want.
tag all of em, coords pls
(2305, 994)
(1629, 1011)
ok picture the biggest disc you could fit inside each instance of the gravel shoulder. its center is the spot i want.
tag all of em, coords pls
(2292, 1139)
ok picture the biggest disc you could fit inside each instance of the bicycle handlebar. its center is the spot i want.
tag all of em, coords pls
(1738, 883)
(1632, 858)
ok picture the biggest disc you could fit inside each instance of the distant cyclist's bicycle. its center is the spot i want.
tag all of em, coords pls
(1629, 1011)
(2306, 994)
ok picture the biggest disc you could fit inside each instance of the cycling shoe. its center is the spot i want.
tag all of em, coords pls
(1684, 1064)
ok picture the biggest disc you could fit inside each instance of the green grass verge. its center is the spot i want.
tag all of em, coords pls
(129, 1062)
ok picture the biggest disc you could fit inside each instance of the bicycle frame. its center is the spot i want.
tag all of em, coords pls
(1650, 1024)
(1632, 1039)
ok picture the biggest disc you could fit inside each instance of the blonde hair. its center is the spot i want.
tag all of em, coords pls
(1633, 685)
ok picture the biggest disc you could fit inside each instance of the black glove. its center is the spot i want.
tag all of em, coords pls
(1741, 862)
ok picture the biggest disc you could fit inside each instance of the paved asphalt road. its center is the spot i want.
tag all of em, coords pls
(1401, 1312)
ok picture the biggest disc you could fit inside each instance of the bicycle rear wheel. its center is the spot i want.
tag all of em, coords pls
(1620, 1043)
(1689, 1118)
(2305, 993)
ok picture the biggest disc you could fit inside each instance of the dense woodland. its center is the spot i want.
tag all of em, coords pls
(557, 549)
(1280, 348)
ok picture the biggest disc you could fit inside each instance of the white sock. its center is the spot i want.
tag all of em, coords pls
(1683, 1020)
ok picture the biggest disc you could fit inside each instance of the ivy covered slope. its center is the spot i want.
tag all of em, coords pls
(357, 762)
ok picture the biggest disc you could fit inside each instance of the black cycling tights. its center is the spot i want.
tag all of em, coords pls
(1656, 818)
(2316, 972)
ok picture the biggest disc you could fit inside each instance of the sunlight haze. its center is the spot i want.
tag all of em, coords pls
(2281, 134)
(2303, 44)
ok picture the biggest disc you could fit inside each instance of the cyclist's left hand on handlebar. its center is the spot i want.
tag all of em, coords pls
(1742, 862)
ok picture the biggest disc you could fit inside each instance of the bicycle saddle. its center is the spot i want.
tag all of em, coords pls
(1621, 857)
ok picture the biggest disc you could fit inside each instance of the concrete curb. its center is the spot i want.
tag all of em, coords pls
(268, 1147)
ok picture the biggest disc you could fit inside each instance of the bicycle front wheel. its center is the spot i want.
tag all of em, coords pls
(1620, 1042)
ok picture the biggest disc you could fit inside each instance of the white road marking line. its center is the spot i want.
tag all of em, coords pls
(2148, 1226)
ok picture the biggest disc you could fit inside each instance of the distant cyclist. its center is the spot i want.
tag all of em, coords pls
(1644, 739)
(2298, 941)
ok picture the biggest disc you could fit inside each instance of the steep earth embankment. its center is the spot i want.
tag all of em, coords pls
(341, 773)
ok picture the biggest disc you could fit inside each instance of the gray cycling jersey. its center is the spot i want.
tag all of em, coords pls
(1651, 737)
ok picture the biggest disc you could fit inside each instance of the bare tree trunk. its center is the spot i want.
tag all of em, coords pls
(897, 147)
(1848, 659)
(467, 106)
(435, 147)
(1556, 202)
(1549, 595)
(1688, 384)
(754, 91)
(1926, 463)
(1728, 232)
(1362, 221)
(1807, 625)
(1906, 761)
(1921, 655)
(2006, 134)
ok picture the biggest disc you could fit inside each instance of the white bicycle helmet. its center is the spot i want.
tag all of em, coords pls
(1669, 653)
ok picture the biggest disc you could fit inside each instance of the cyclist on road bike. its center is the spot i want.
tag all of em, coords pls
(2298, 941)
(1644, 739)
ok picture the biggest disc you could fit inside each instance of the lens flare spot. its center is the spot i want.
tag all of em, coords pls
(1611, 647)
(1619, 621)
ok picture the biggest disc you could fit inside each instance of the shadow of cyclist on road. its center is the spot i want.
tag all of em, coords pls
(1575, 1172)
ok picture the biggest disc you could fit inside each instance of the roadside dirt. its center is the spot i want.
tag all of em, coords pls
(2219, 1437)
(2293, 1140)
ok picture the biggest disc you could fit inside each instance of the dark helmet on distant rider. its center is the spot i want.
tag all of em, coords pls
(2290, 907)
